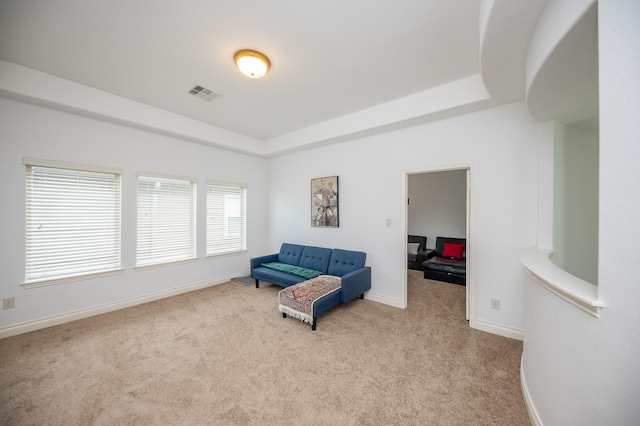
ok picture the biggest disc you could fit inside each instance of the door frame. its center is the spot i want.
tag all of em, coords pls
(470, 237)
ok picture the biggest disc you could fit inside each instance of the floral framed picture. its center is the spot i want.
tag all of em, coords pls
(324, 202)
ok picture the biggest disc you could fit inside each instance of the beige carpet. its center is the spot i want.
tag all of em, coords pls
(225, 356)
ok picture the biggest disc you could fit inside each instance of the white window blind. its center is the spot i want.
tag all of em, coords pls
(226, 218)
(166, 220)
(73, 222)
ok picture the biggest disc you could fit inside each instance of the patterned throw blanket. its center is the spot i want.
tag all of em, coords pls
(297, 300)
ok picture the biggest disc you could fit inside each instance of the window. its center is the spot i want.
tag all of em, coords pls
(575, 201)
(226, 218)
(72, 220)
(166, 220)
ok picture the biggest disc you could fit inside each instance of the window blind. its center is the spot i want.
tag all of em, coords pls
(226, 218)
(72, 222)
(166, 230)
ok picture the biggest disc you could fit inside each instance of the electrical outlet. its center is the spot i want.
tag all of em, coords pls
(9, 303)
(495, 304)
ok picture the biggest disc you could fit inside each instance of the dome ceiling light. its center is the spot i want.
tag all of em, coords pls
(252, 63)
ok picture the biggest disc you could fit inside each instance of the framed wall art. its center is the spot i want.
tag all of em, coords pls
(324, 202)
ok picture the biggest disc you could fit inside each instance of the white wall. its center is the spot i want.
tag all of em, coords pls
(498, 144)
(31, 131)
(582, 370)
(438, 205)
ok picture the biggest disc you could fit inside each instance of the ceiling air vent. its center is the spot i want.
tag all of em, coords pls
(203, 93)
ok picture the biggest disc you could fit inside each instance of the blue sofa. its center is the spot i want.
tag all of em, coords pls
(347, 264)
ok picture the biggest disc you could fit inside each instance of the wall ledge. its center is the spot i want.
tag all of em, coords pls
(569, 288)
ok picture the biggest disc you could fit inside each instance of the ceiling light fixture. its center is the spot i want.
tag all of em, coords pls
(252, 63)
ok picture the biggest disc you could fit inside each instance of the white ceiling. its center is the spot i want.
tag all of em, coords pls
(329, 59)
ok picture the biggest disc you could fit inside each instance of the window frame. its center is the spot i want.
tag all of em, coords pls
(241, 247)
(159, 261)
(112, 250)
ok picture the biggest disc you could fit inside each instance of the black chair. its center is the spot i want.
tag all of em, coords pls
(417, 256)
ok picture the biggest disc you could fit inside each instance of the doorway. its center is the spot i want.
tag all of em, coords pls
(450, 215)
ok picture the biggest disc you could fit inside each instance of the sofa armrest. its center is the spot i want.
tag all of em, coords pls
(355, 284)
(257, 261)
(430, 253)
(424, 255)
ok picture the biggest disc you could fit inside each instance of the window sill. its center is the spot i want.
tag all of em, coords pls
(54, 281)
(570, 288)
(163, 264)
(227, 253)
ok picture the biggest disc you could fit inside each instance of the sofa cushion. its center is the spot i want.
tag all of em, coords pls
(445, 265)
(293, 269)
(299, 300)
(316, 258)
(290, 254)
(421, 240)
(412, 248)
(281, 279)
(344, 261)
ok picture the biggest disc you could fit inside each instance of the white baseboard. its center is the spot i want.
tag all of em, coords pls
(38, 324)
(533, 414)
(500, 330)
(383, 299)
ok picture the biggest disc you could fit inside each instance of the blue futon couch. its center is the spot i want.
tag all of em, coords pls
(295, 263)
